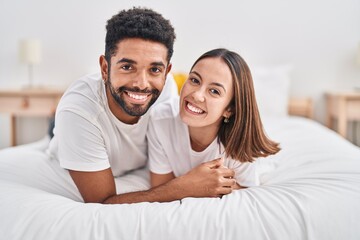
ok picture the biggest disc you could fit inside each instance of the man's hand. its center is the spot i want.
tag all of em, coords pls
(209, 179)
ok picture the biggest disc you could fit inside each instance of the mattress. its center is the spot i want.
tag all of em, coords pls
(309, 190)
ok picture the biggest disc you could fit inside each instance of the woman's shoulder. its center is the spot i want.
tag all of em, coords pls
(165, 123)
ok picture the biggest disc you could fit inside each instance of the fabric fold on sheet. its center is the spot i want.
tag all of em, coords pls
(310, 190)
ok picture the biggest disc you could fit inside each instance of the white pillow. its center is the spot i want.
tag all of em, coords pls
(272, 90)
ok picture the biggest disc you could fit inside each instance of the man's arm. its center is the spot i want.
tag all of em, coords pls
(206, 180)
(158, 179)
(96, 186)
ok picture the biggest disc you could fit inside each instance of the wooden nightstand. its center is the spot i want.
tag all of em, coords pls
(39, 102)
(343, 106)
(302, 107)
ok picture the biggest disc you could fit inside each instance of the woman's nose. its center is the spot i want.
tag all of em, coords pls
(199, 95)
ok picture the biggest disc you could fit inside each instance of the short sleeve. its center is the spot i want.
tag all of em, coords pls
(246, 173)
(80, 143)
(158, 160)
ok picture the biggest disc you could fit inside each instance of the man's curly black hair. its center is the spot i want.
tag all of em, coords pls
(138, 23)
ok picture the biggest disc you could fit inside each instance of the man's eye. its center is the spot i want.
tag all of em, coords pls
(126, 67)
(155, 70)
(214, 91)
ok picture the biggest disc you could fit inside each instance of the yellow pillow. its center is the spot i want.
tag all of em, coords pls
(180, 79)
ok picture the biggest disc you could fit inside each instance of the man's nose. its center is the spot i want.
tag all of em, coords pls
(141, 80)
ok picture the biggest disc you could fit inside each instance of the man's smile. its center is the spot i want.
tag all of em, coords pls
(136, 97)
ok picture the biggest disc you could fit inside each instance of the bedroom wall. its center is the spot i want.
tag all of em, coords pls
(318, 38)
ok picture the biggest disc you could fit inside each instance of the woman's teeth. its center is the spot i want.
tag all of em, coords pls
(194, 109)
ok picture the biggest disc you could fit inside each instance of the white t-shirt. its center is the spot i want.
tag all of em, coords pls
(170, 148)
(88, 137)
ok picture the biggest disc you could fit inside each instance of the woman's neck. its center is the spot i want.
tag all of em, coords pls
(201, 138)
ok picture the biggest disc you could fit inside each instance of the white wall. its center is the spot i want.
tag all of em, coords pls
(319, 37)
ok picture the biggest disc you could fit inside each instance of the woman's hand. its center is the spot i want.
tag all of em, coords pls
(209, 179)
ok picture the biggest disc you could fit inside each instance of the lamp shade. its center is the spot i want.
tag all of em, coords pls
(30, 51)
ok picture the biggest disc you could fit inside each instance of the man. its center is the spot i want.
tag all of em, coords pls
(101, 121)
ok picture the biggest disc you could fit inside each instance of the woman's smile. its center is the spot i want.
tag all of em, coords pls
(189, 107)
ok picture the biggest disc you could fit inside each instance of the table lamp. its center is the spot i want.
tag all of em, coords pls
(30, 54)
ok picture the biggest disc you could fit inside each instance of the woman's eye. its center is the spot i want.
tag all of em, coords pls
(194, 80)
(214, 91)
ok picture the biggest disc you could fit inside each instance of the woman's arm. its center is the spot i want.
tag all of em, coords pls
(158, 179)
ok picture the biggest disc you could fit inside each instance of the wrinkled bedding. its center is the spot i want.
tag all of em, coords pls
(310, 190)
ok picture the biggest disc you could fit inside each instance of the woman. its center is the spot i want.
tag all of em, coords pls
(215, 117)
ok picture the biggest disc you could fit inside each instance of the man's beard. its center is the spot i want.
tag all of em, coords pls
(135, 110)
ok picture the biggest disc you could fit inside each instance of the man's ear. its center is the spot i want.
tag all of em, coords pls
(104, 68)
(168, 69)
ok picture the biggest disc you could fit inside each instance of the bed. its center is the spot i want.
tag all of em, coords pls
(309, 190)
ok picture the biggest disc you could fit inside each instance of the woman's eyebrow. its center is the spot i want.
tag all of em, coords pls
(196, 73)
(213, 83)
(219, 85)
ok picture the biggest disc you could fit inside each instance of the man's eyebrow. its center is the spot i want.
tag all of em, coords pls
(160, 64)
(213, 83)
(126, 60)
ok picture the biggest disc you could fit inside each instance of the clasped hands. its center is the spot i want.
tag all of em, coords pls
(209, 179)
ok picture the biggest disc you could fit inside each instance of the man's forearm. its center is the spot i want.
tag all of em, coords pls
(167, 192)
(205, 180)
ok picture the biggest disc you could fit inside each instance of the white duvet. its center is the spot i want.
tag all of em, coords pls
(310, 190)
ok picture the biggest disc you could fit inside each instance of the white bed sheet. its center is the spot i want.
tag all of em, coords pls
(310, 190)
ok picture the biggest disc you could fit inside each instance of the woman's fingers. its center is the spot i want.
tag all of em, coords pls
(226, 172)
(216, 163)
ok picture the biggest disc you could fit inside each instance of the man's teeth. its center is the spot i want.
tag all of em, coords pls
(194, 109)
(137, 97)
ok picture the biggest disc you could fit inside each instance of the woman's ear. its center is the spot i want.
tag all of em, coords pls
(228, 113)
(103, 67)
